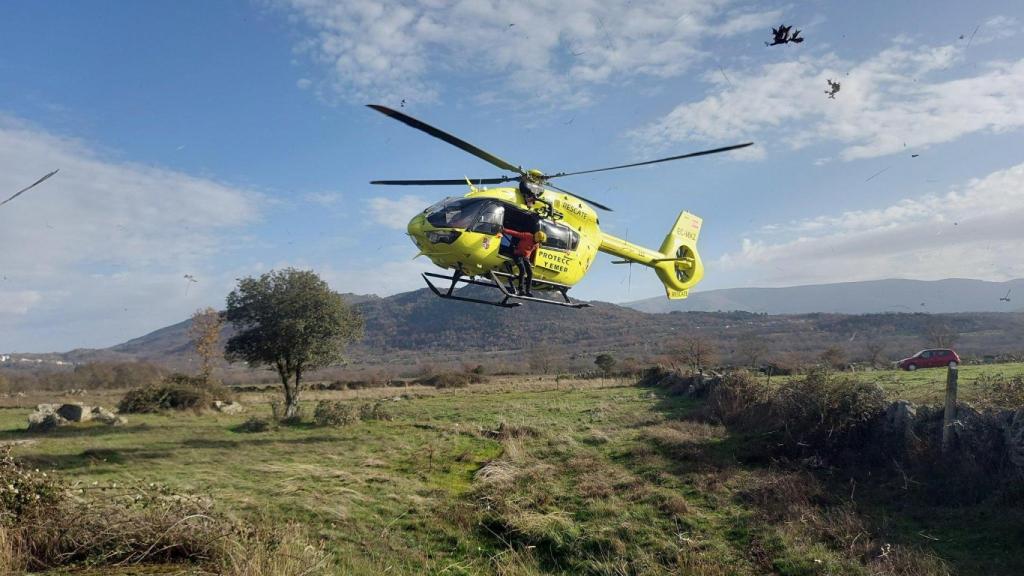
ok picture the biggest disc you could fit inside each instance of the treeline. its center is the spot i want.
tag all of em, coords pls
(91, 376)
(420, 324)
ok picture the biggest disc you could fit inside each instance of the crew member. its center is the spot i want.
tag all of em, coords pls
(531, 191)
(527, 245)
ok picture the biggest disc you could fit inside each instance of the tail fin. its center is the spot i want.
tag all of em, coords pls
(680, 267)
(677, 263)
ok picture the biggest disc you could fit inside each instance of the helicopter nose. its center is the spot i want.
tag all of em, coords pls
(416, 232)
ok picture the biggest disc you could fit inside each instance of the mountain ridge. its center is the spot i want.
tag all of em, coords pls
(949, 295)
(412, 326)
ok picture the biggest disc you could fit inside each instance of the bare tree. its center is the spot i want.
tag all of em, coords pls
(833, 357)
(696, 352)
(873, 348)
(542, 359)
(205, 336)
(940, 334)
(751, 348)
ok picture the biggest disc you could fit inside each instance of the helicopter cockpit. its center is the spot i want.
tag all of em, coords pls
(472, 214)
(488, 216)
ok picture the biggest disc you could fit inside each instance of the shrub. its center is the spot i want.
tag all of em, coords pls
(736, 400)
(826, 414)
(23, 492)
(374, 411)
(450, 380)
(179, 379)
(334, 413)
(997, 391)
(165, 397)
(175, 392)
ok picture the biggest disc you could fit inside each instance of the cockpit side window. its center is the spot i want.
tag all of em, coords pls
(560, 237)
(462, 213)
(489, 219)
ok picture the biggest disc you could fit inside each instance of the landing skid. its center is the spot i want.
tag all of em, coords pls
(503, 282)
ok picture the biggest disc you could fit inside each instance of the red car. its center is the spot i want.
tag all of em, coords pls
(930, 359)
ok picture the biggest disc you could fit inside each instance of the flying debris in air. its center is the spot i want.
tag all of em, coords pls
(29, 187)
(1007, 297)
(191, 280)
(781, 35)
(833, 89)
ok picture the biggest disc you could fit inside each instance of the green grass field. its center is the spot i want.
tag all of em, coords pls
(928, 385)
(531, 477)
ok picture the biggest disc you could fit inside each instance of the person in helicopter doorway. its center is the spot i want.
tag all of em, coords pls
(527, 245)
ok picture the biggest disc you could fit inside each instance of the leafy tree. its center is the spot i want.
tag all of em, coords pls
(605, 362)
(205, 335)
(291, 321)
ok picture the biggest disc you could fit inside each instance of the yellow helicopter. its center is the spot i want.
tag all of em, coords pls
(465, 234)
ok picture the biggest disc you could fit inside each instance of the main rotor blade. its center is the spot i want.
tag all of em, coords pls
(444, 182)
(690, 155)
(442, 135)
(29, 187)
(587, 200)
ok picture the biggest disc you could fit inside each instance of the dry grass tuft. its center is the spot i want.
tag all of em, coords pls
(506, 431)
(46, 524)
(497, 472)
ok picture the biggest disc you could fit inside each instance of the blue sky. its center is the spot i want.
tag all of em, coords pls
(224, 139)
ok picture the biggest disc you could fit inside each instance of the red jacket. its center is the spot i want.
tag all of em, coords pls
(526, 246)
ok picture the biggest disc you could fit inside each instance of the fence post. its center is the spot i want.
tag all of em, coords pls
(950, 415)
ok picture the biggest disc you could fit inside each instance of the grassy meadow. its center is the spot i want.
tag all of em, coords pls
(533, 476)
(928, 385)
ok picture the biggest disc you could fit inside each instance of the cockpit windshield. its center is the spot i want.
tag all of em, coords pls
(473, 214)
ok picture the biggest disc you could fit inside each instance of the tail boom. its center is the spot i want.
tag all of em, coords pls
(677, 263)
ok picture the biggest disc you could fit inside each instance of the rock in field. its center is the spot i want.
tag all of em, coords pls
(50, 416)
(75, 412)
(228, 407)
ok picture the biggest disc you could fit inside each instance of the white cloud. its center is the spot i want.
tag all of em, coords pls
(742, 23)
(900, 96)
(995, 28)
(386, 52)
(396, 213)
(102, 236)
(325, 199)
(969, 232)
(18, 302)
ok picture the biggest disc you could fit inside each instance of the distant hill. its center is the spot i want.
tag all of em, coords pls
(870, 297)
(416, 327)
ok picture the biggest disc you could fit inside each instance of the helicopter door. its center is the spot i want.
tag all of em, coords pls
(515, 219)
(557, 253)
